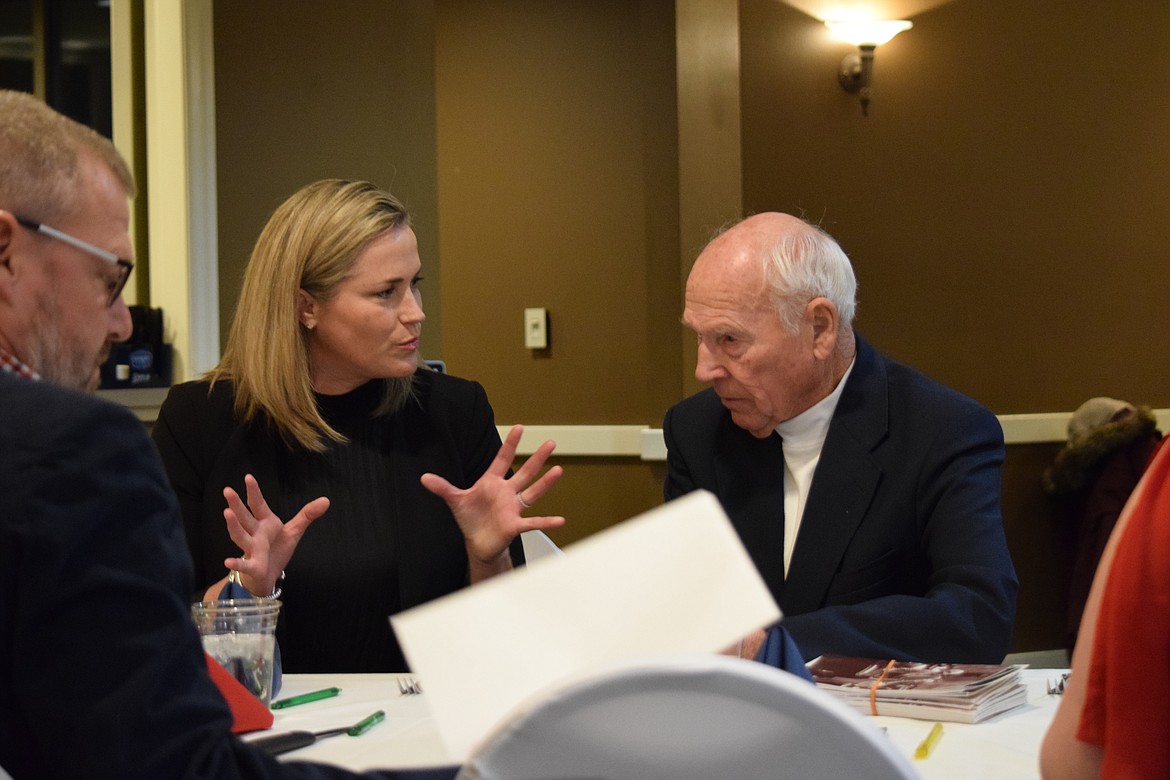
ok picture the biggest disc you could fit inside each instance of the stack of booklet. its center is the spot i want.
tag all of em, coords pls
(964, 693)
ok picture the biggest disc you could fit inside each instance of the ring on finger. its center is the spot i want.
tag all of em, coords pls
(523, 503)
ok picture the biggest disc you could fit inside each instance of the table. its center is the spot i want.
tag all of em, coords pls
(1003, 748)
(406, 739)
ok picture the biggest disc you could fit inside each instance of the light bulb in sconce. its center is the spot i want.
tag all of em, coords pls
(856, 73)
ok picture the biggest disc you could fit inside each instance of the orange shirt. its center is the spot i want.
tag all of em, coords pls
(1127, 700)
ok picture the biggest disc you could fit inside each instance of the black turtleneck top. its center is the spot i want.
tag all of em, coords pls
(386, 543)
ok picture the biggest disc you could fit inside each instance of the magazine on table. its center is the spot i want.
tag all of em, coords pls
(963, 693)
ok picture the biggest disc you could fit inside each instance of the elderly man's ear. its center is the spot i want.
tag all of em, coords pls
(823, 315)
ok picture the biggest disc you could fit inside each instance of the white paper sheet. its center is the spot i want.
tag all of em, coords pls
(676, 579)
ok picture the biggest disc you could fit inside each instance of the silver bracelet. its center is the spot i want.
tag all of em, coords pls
(234, 577)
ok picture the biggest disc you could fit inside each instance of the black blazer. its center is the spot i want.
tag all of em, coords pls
(101, 671)
(901, 551)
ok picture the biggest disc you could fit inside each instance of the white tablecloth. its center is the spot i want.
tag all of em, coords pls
(1004, 748)
(406, 738)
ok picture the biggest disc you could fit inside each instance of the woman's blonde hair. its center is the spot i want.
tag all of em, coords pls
(311, 242)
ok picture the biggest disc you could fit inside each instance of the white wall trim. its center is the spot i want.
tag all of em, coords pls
(143, 401)
(203, 267)
(595, 440)
(122, 70)
(1033, 428)
(646, 443)
(181, 189)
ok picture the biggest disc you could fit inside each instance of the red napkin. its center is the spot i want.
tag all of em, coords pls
(248, 712)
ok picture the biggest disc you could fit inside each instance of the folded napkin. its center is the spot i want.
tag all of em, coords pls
(780, 651)
(248, 712)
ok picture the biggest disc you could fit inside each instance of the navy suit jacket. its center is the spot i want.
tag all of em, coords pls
(102, 674)
(901, 551)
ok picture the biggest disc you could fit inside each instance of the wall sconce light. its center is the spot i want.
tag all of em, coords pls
(856, 74)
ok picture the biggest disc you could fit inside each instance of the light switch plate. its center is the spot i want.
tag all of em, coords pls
(536, 328)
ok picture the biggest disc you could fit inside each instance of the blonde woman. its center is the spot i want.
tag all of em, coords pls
(393, 480)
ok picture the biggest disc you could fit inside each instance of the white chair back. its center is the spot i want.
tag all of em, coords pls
(684, 718)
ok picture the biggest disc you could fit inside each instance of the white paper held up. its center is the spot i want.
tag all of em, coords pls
(676, 579)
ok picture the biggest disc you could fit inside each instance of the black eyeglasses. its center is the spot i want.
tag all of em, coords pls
(124, 266)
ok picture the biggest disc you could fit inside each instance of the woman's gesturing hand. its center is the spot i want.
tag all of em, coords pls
(490, 512)
(268, 542)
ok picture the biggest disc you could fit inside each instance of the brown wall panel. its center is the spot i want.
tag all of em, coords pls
(597, 492)
(557, 190)
(303, 95)
(1004, 203)
(1031, 533)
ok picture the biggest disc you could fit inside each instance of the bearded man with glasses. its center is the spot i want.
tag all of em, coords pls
(60, 287)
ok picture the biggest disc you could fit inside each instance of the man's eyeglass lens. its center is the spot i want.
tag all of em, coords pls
(124, 266)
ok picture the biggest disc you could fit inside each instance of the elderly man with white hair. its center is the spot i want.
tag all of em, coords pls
(867, 495)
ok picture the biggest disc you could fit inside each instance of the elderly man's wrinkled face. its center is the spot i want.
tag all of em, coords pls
(762, 373)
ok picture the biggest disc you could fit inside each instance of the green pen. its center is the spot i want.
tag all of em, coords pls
(305, 698)
(361, 728)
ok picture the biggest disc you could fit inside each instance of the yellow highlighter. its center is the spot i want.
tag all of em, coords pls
(926, 747)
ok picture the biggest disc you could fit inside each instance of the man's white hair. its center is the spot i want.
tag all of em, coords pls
(806, 264)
